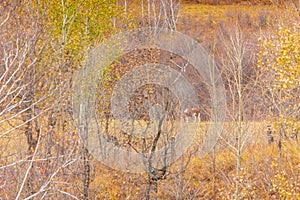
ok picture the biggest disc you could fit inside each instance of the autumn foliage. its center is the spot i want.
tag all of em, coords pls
(255, 45)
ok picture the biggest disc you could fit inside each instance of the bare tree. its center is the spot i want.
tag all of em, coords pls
(19, 56)
(24, 94)
(237, 65)
(160, 14)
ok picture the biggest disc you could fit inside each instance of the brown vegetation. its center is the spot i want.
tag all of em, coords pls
(43, 145)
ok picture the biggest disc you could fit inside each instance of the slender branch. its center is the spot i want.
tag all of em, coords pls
(29, 168)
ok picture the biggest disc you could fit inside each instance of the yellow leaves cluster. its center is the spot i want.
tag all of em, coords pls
(279, 61)
(285, 174)
(76, 25)
(280, 56)
(284, 187)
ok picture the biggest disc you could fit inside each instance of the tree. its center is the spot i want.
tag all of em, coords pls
(23, 92)
(237, 64)
(43, 44)
(279, 62)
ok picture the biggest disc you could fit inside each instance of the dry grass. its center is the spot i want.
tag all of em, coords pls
(12, 145)
(266, 171)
